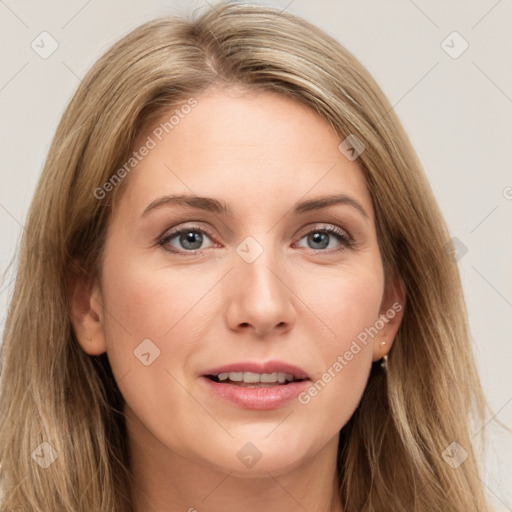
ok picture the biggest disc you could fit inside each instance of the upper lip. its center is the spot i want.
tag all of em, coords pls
(260, 367)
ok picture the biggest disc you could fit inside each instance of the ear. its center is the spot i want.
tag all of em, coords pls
(86, 314)
(391, 315)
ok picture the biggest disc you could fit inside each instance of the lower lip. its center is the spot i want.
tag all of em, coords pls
(265, 397)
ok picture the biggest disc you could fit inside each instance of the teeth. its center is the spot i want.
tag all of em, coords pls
(254, 378)
(251, 378)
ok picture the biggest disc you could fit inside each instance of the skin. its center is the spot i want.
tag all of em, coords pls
(297, 302)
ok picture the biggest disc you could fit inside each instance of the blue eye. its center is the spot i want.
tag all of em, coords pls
(324, 238)
(188, 239)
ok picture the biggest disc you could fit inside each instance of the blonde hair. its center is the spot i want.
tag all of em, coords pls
(390, 455)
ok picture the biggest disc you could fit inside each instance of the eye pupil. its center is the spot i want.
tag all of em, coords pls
(320, 238)
(191, 237)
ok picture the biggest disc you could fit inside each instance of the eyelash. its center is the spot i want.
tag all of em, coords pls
(341, 235)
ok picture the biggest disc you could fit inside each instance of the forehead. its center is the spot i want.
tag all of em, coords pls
(244, 148)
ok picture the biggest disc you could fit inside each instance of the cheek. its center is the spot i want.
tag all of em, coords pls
(143, 307)
(349, 309)
(151, 316)
(143, 301)
(346, 300)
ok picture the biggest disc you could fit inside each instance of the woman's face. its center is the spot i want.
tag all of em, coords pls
(259, 281)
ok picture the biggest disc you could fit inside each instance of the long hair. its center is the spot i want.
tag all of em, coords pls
(62, 432)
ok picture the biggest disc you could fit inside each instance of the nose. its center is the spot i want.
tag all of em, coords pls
(260, 299)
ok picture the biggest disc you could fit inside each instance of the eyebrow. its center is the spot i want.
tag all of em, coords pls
(220, 207)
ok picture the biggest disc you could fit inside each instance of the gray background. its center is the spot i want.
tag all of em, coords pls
(457, 112)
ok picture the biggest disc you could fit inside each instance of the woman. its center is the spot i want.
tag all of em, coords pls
(234, 290)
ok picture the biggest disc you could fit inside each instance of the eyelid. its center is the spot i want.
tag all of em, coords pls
(322, 226)
(186, 226)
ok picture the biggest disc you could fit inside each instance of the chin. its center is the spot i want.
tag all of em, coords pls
(258, 458)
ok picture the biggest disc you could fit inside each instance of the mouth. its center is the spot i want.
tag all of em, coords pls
(253, 385)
